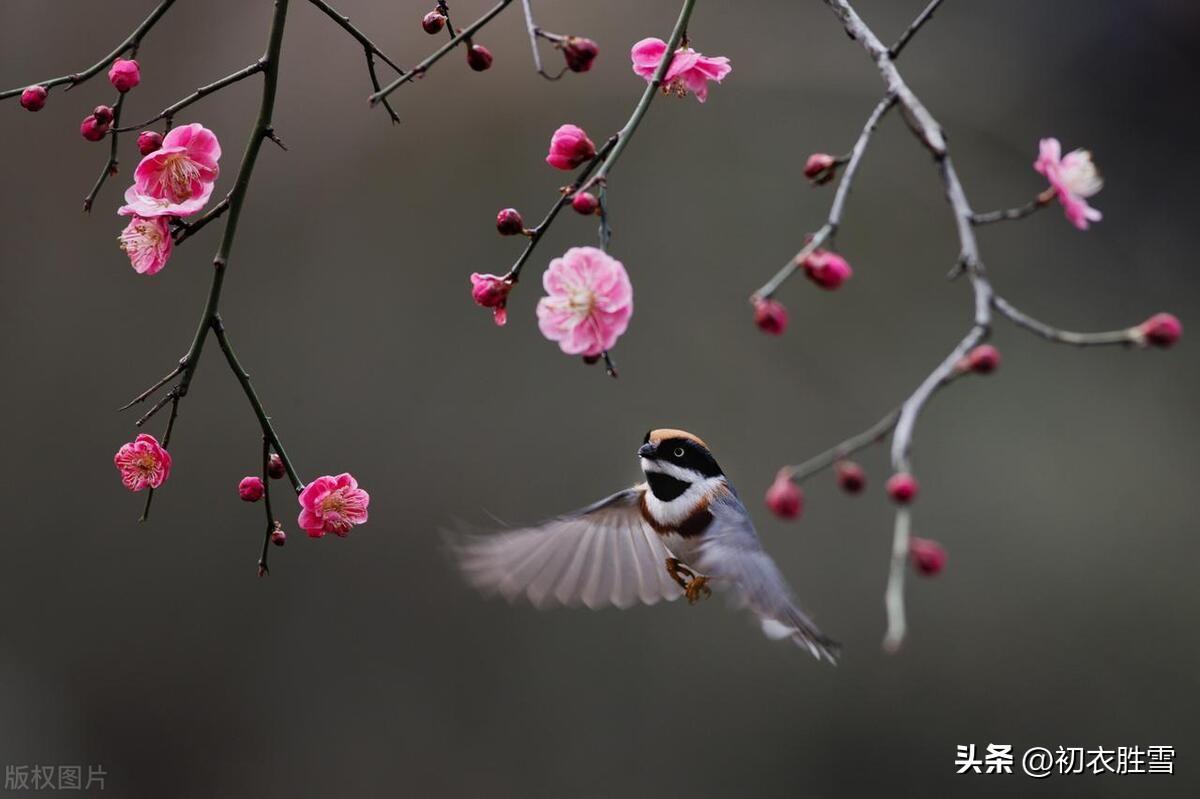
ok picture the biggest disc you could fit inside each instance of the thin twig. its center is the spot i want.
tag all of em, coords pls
(260, 412)
(536, 33)
(639, 111)
(893, 595)
(166, 440)
(1126, 337)
(564, 197)
(185, 230)
(145, 394)
(421, 68)
(370, 49)
(75, 78)
(922, 18)
(837, 208)
(110, 167)
(169, 112)
(873, 434)
(272, 525)
(1020, 212)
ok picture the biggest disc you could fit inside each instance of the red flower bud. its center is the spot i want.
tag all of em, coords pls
(927, 556)
(251, 489)
(433, 22)
(902, 488)
(820, 167)
(92, 129)
(1161, 330)
(784, 497)
(827, 269)
(124, 75)
(275, 467)
(509, 222)
(33, 98)
(103, 114)
(850, 476)
(983, 360)
(278, 537)
(770, 316)
(585, 203)
(490, 291)
(149, 141)
(580, 53)
(479, 57)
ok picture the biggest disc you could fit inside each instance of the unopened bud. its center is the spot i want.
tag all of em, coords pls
(103, 114)
(983, 360)
(124, 74)
(928, 556)
(784, 497)
(1161, 330)
(275, 467)
(827, 269)
(580, 53)
(33, 98)
(479, 57)
(902, 488)
(251, 489)
(850, 476)
(148, 141)
(509, 222)
(585, 203)
(92, 129)
(433, 22)
(820, 167)
(770, 316)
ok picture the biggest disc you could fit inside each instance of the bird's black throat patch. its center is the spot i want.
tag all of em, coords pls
(665, 487)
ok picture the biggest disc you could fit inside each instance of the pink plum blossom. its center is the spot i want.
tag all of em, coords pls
(143, 462)
(689, 70)
(569, 147)
(1074, 178)
(332, 505)
(491, 291)
(148, 243)
(177, 179)
(590, 301)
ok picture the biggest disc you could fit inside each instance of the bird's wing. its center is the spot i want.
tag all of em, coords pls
(731, 553)
(605, 554)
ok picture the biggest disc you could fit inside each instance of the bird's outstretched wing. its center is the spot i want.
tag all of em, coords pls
(731, 554)
(605, 554)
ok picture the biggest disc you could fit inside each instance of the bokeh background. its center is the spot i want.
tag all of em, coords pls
(1063, 486)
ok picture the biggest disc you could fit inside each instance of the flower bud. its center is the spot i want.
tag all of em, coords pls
(103, 114)
(982, 360)
(1161, 330)
(585, 203)
(850, 476)
(490, 291)
(820, 167)
(827, 269)
(509, 222)
(275, 467)
(770, 316)
(927, 556)
(33, 98)
(784, 497)
(479, 57)
(148, 141)
(570, 147)
(124, 75)
(93, 129)
(433, 22)
(580, 53)
(902, 488)
(251, 489)
(278, 537)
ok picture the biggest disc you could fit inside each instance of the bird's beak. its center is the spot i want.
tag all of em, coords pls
(646, 451)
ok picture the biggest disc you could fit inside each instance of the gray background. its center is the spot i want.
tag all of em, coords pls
(1062, 486)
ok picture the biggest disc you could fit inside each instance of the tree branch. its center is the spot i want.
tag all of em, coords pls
(370, 50)
(1126, 337)
(922, 18)
(169, 112)
(421, 68)
(131, 42)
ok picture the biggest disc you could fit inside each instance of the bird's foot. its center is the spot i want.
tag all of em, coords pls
(695, 587)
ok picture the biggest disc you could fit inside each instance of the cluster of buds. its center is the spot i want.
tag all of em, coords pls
(124, 75)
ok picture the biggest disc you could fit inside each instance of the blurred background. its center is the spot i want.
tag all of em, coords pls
(1063, 486)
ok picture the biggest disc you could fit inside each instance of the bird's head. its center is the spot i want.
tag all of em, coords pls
(680, 471)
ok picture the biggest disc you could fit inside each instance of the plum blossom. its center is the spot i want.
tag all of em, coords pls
(124, 74)
(143, 462)
(1073, 177)
(177, 179)
(491, 291)
(332, 505)
(589, 304)
(689, 70)
(148, 243)
(569, 147)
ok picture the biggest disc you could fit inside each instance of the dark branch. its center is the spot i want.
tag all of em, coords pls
(169, 112)
(922, 18)
(369, 49)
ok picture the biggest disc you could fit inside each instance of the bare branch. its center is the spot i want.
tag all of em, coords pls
(169, 112)
(922, 18)
(1125, 337)
(369, 48)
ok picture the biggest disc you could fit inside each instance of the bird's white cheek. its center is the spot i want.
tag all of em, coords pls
(675, 512)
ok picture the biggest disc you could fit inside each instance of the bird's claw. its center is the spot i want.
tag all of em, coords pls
(695, 586)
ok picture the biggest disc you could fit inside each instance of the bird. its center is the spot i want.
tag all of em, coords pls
(681, 532)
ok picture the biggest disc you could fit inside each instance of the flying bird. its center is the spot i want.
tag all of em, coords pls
(680, 533)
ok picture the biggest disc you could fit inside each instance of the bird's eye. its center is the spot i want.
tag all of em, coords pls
(679, 452)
